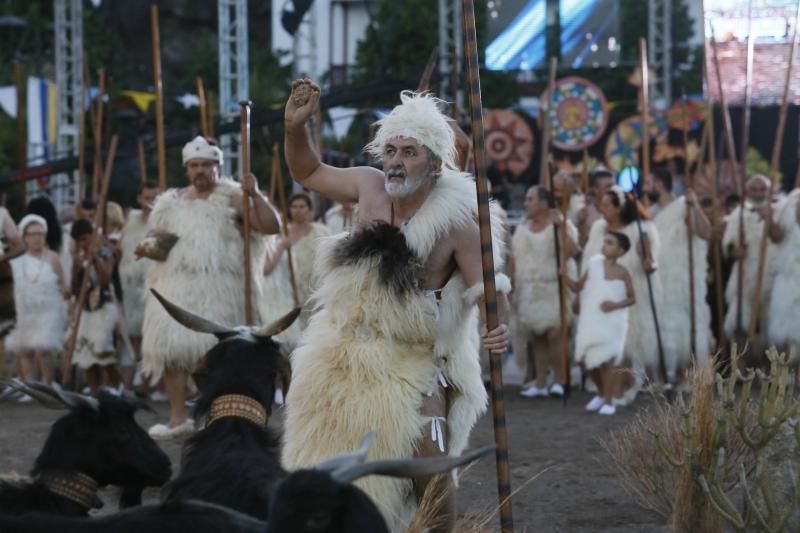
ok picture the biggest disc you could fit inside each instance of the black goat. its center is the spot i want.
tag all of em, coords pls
(320, 500)
(97, 443)
(234, 460)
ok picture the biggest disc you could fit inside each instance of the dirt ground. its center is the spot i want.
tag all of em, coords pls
(573, 492)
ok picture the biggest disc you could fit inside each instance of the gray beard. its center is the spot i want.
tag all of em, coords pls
(405, 189)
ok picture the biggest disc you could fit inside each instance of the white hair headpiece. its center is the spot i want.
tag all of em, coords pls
(619, 193)
(27, 220)
(200, 148)
(418, 117)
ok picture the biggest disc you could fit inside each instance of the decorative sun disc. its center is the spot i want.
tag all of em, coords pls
(509, 141)
(578, 114)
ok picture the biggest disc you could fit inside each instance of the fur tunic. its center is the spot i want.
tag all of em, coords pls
(203, 272)
(337, 223)
(276, 297)
(132, 272)
(785, 297)
(673, 265)
(640, 343)
(601, 336)
(753, 232)
(371, 352)
(536, 299)
(41, 310)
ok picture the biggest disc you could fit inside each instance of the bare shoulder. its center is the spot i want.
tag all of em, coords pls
(369, 179)
(618, 272)
(51, 257)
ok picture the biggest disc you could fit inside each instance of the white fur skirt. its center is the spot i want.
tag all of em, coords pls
(133, 303)
(40, 331)
(95, 343)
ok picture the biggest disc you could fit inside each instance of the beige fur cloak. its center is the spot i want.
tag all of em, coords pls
(132, 272)
(784, 301)
(370, 353)
(673, 266)
(336, 221)
(641, 347)
(203, 272)
(753, 232)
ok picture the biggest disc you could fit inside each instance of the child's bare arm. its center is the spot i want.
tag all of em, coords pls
(575, 286)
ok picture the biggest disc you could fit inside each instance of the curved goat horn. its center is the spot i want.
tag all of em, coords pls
(193, 321)
(340, 462)
(71, 400)
(46, 399)
(427, 466)
(282, 324)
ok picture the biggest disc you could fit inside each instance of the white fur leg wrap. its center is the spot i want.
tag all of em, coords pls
(473, 295)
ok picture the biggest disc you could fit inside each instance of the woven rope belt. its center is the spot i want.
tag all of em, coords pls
(239, 406)
(76, 487)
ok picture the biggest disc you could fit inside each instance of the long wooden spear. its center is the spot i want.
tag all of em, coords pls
(645, 88)
(490, 290)
(559, 237)
(81, 143)
(773, 177)
(201, 96)
(97, 133)
(427, 74)
(22, 154)
(689, 228)
(748, 85)
(69, 350)
(731, 149)
(244, 119)
(142, 160)
(160, 150)
(277, 177)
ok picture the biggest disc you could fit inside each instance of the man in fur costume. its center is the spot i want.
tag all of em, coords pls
(203, 270)
(536, 311)
(756, 211)
(132, 270)
(672, 217)
(785, 297)
(341, 217)
(599, 182)
(567, 198)
(393, 343)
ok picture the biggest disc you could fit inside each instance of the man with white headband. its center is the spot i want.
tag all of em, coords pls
(393, 344)
(203, 270)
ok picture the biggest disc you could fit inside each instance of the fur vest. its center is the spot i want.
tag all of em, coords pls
(785, 295)
(132, 272)
(753, 232)
(203, 273)
(673, 265)
(373, 346)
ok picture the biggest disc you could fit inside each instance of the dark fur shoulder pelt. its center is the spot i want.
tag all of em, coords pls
(398, 266)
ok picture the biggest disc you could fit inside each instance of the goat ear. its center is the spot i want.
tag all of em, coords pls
(282, 324)
(351, 459)
(193, 321)
(46, 399)
(406, 468)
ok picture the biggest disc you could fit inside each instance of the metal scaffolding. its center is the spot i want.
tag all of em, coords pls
(451, 52)
(304, 47)
(234, 80)
(659, 48)
(69, 71)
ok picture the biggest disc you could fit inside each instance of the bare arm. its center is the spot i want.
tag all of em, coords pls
(104, 268)
(274, 257)
(341, 184)
(55, 262)
(575, 286)
(263, 216)
(630, 295)
(15, 245)
(700, 224)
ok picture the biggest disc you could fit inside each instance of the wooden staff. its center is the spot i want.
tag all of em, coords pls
(425, 80)
(69, 350)
(160, 150)
(22, 153)
(210, 114)
(490, 290)
(773, 177)
(201, 95)
(244, 119)
(689, 228)
(142, 161)
(82, 143)
(559, 238)
(731, 149)
(645, 88)
(277, 179)
(584, 186)
(97, 133)
(748, 86)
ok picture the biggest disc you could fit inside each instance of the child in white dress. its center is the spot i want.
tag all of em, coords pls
(606, 293)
